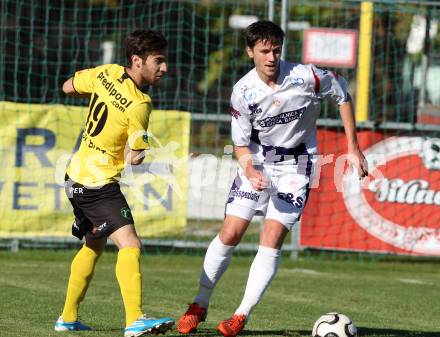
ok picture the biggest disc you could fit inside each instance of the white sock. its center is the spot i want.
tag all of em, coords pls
(217, 259)
(262, 271)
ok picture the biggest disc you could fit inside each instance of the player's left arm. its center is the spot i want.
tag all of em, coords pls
(356, 157)
(134, 157)
(138, 120)
(328, 84)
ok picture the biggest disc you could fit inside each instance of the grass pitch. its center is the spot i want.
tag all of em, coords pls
(383, 298)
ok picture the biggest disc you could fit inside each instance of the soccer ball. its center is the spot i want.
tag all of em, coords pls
(431, 153)
(334, 324)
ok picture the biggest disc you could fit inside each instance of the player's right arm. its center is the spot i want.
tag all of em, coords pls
(81, 84)
(68, 89)
(256, 177)
(241, 134)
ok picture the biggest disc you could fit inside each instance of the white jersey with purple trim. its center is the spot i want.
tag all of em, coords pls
(280, 124)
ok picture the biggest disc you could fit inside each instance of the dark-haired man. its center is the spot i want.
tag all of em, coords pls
(274, 107)
(115, 134)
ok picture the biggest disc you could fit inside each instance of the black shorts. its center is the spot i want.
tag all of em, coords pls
(98, 211)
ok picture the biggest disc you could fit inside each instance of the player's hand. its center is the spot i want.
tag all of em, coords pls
(257, 179)
(358, 161)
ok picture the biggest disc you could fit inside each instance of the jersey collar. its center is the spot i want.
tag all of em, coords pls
(281, 76)
(126, 75)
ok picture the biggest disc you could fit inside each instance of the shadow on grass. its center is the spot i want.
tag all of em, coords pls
(395, 333)
(283, 333)
(362, 332)
(275, 333)
(198, 333)
(108, 329)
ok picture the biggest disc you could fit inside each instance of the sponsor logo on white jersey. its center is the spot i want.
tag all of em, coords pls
(283, 118)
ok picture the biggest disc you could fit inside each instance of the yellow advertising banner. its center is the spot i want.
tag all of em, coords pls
(36, 143)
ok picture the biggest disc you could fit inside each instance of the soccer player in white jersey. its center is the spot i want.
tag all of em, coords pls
(274, 110)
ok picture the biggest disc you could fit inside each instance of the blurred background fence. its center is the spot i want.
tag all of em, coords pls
(43, 42)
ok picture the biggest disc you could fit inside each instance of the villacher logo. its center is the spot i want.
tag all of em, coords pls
(407, 190)
(415, 191)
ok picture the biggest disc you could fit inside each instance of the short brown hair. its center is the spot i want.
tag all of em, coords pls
(144, 43)
(263, 31)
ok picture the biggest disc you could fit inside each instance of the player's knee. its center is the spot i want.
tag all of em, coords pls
(273, 235)
(137, 243)
(129, 242)
(230, 237)
(126, 237)
(97, 245)
(272, 240)
(232, 230)
(98, 250)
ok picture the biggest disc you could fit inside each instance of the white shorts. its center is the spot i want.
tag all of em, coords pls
(283, 200)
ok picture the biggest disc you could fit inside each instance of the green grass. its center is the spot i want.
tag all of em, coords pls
(384, 298)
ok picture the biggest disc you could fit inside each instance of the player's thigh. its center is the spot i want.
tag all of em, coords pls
(97, 245)
(273, 234)
(288, 200)
(126, 237)
(242, 204)
(107, 209)
(81, 225)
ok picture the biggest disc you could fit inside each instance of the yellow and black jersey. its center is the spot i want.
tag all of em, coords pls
(118, 116)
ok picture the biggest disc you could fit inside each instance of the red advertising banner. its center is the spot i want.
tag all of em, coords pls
(395, 210)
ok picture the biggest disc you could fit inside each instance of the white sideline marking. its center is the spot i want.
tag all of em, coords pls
(303, 271)
(413, 281)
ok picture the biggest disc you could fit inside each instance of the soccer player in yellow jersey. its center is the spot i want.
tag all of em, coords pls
(115, 134)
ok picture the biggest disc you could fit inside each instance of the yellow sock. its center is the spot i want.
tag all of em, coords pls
(81, 272)
(130, 281)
